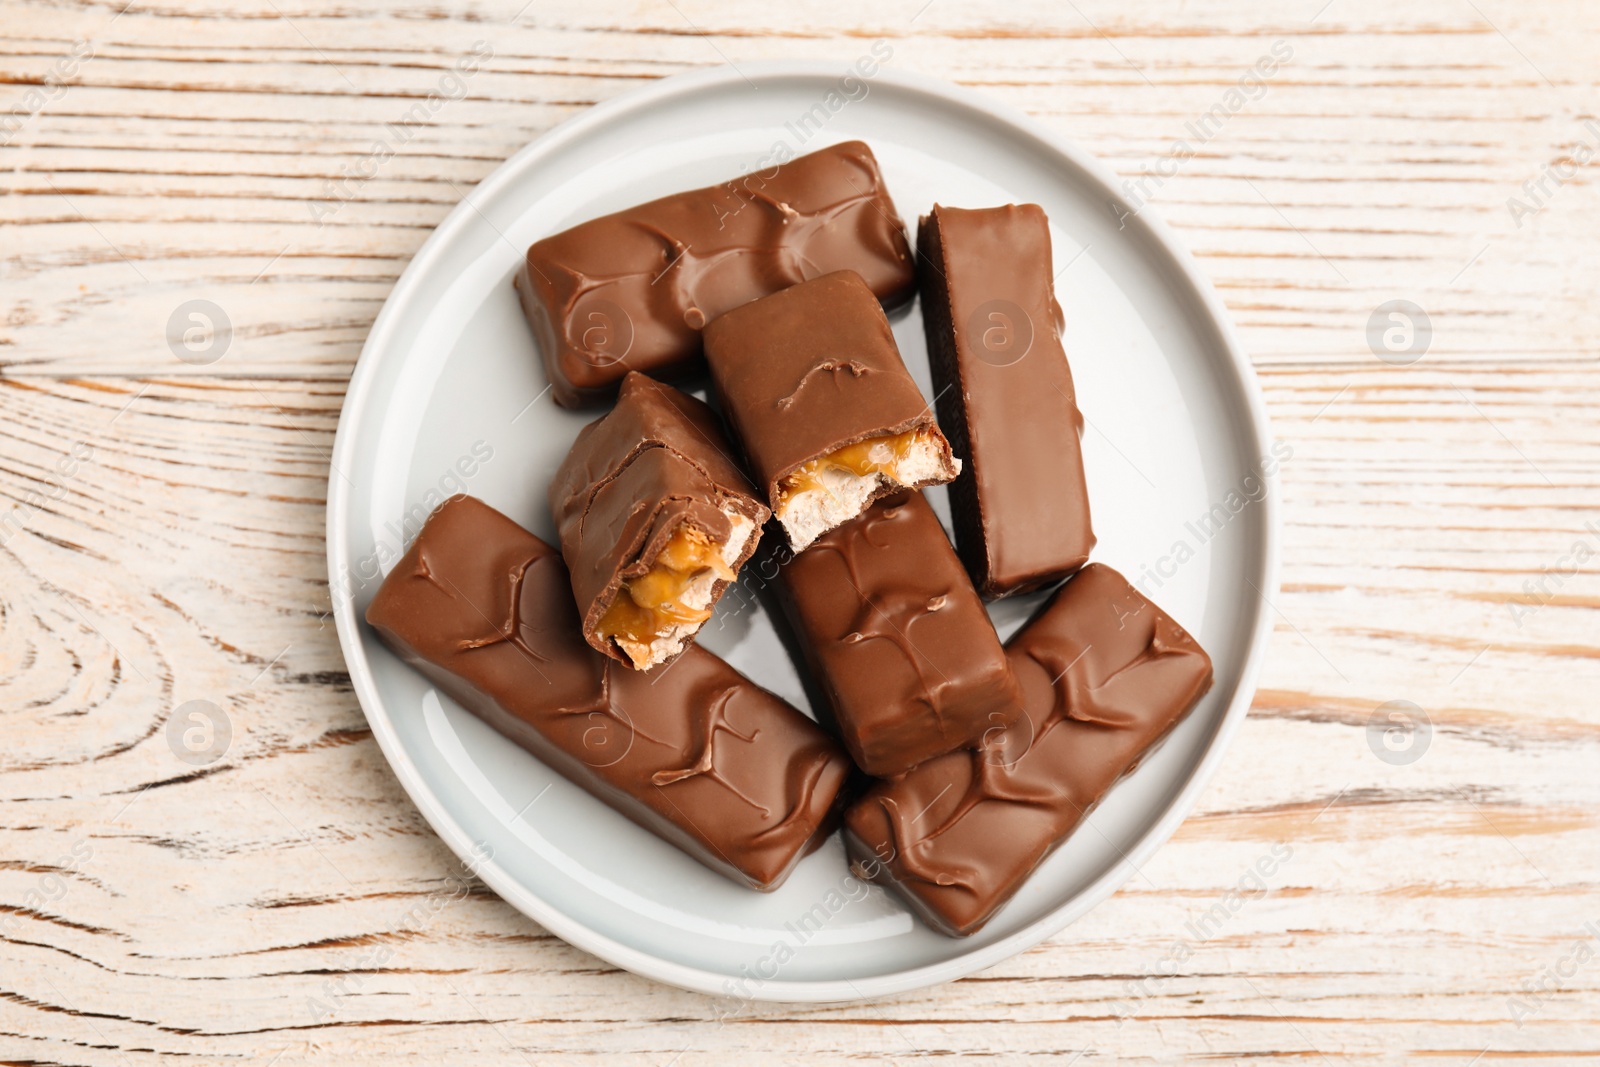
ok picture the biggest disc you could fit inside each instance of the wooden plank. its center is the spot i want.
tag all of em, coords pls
(215, 904)
(1375, 163)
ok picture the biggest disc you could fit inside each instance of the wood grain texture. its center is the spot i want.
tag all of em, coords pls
(286, 904)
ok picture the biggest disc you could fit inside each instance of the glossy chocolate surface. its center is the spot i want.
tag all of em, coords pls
(898, 640)
(693, 751)
(632, 290)
(807, 371)
(655, 462)
(1104, 675)
(1020, 506)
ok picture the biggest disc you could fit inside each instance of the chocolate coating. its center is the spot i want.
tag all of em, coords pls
(692, 751)
(900, 644)
(656, 461)
(1104, 675)
(1020, 506)
(807, 371)
(632, 290)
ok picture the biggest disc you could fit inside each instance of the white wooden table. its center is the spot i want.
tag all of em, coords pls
(284, 903)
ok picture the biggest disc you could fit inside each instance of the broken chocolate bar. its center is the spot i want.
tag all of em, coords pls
(631, 291)
(694, 751)
(1104, 675)
(813, 384)
(655, 520)
(1020, 507)
(898, 641)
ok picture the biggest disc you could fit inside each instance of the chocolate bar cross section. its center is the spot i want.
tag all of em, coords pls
(1020, 508)
(897, 638)
(655, 520)
(830, 419)
(1104, 675)
(693, 751)
(632, 290)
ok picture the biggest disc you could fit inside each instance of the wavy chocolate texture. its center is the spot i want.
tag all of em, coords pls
(692, 751)
(655, 462)
(776, 366)
(1104, 675)
(1020, 506)
(632, 290)
(900, 642)
(856, 368)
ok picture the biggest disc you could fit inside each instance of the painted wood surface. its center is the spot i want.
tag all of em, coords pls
(163, 532)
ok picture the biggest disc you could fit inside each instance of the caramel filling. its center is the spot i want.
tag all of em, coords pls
(875, 455)
(648, 606)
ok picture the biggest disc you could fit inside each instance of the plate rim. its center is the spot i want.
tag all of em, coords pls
(356, 406)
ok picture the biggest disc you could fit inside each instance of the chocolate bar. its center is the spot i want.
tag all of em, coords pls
(631, 291)
(1020, 509)
(693, 751)
(1104, 675)
(655, 520)
(816, 391)
(898, 641)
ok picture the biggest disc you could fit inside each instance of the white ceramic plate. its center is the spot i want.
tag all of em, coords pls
(449, 396)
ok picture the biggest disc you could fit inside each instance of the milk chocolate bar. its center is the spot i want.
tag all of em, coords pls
(898, 641)
(693, 751)
(813, 384)
(1104, 675)
(1020, 508)
(655, 520)
(631, 291)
